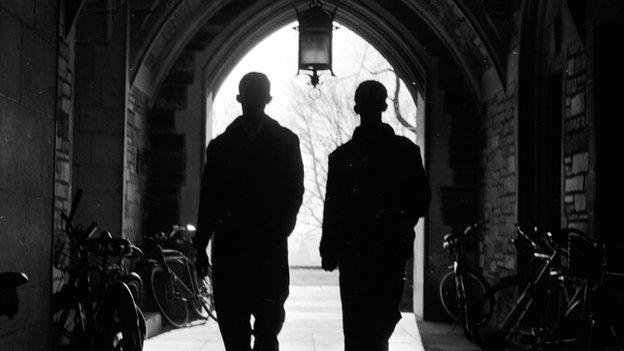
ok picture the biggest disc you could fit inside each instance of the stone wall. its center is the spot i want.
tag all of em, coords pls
(499, 162)
(499, 192)
(28, 71)
(576, 138)
(100, 115)
(63, 148)
(136, 170)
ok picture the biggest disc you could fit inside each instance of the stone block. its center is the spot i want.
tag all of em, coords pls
(61, 190)
(509, 185)
(102, 120)
(109, 61)
(23, 9)
(63, 171)
(82, 151)
(494, 141)
(576, 142)
(499, 161)
(26, 147)
(89, 92)
(99, 179)
(580, 203)
(580, 163)
(511, 164)
(46, 21)
(570, 67)
(84, 60)
(113, 92)
(576, 183)
(509, 262)
(10, 55)
(577, 104)
(39, 73)
(107, 150)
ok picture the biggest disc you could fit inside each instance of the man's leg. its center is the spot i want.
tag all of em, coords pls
(234, 326)
(233, 308)
(358, 305)
(389, 289)
(272, 290)
(270, 317)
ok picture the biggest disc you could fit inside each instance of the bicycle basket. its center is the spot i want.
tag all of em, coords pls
(586, 256)
(65, 257)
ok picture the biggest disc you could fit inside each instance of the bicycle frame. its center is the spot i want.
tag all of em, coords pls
(459, 267)
(190, 292)
(511, 323)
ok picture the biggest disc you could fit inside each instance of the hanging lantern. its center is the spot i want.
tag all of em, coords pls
(315, 40)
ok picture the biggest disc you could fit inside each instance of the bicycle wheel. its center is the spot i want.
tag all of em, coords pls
(118, 320)
(529, 323)
(169, 297)
(475, 288)
(203, 306)
(514, 319)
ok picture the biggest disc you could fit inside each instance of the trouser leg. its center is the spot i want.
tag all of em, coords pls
(371, 292)
(273, 282)
(357, 312)
(269, 318)
(233, 311)
(390, 294)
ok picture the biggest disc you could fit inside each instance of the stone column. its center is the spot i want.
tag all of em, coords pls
(99, 134)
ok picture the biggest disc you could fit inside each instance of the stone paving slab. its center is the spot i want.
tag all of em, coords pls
(437, 336)
(313, 323)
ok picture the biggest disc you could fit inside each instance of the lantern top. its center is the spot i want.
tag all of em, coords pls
(315, 18)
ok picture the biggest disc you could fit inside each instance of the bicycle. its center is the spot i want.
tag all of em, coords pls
(176, 287)
(545, 315)
(463, 286)
(95, 309)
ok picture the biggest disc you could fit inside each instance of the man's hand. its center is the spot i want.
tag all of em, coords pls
(329, 263)
(201, 263)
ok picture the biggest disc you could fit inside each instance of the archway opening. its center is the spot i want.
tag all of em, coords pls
(323, 119)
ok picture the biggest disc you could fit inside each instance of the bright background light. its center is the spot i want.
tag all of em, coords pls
(330, 118)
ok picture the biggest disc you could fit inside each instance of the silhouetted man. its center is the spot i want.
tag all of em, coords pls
(251, 192)
(376, 191)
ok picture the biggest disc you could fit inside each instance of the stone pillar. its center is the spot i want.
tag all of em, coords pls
(28, 72)
(99, 134)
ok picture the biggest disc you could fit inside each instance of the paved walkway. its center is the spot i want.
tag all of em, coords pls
(313, 322)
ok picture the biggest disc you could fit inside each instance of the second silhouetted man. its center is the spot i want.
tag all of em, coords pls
(376, 191)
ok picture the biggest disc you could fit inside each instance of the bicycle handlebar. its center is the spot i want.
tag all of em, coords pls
(74, 205)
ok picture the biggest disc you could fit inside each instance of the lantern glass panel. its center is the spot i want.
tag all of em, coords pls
(315, 50)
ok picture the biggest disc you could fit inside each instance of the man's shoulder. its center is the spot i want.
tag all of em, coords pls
(405, 144)
(343, 151)
(281, 132)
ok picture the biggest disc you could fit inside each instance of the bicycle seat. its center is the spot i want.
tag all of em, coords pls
(11, 280)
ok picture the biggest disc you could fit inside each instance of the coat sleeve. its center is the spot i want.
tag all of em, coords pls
(293, 184)
(207, 200)
(331, 215)
(419, 194)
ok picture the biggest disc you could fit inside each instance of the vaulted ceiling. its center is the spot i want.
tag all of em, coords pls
(474, 35)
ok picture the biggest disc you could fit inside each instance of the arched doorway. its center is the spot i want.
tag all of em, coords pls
(322, 121)
(186, 66)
